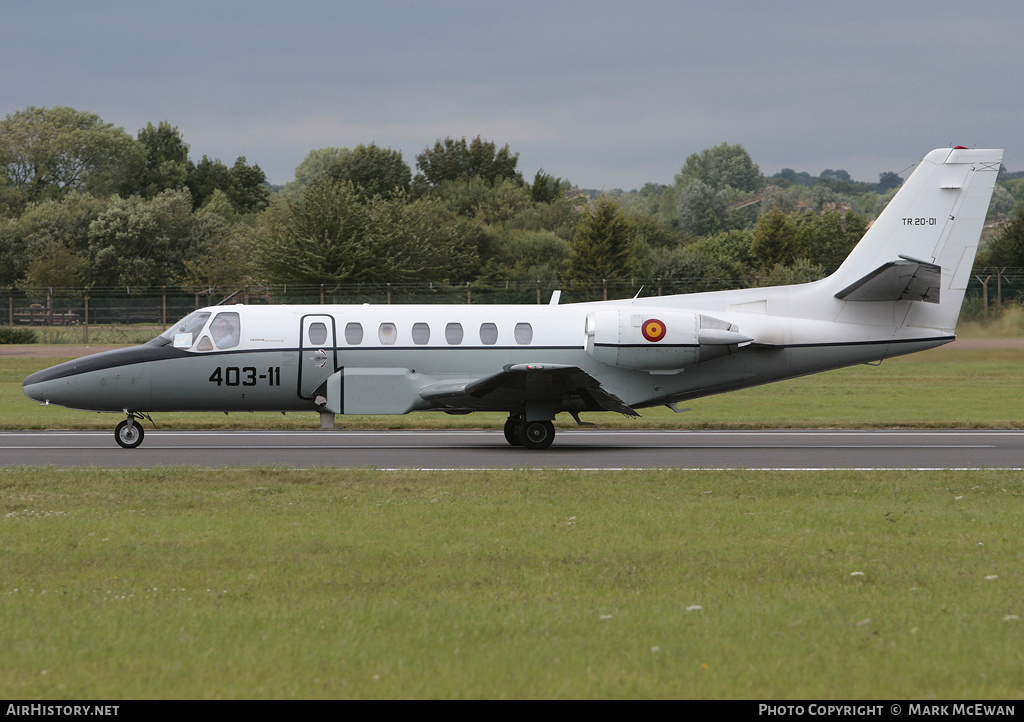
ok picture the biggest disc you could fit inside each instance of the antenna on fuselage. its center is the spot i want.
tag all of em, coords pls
(555, 295)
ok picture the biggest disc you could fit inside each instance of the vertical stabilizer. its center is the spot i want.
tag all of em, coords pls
(920, 250)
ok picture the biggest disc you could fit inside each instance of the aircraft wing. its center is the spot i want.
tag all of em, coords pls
(562, 385)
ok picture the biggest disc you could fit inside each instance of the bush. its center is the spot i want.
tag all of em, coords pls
(9, 334)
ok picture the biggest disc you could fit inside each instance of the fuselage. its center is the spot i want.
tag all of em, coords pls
(388, 354)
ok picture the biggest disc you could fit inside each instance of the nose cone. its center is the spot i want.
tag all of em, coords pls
(33, 389)
(108, 381)
(40, 385)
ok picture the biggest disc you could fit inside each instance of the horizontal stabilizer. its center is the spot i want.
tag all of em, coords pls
(907, 279)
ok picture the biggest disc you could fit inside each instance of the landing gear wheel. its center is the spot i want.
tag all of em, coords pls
(128, 437)
(512, 430)
(536, 434)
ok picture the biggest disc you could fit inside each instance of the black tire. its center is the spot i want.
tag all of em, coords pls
(536, 434)
(512, 431)
(128, 437)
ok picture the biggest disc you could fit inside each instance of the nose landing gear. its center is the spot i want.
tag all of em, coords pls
(129, 434)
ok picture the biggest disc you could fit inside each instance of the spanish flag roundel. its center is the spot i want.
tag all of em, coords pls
(653, 329)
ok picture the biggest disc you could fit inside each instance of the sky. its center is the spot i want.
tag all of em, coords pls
(604, 94)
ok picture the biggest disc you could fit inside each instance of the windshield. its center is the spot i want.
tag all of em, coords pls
(183, 333)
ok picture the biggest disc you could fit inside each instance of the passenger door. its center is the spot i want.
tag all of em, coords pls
(318, 353)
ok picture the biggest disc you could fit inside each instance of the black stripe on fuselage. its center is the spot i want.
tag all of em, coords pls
(107, 360)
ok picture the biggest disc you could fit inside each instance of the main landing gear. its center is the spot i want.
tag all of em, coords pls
(529, 434)
(129, 434)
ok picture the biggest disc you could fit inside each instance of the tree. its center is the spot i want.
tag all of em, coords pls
(244, 185)
(486, 202)
(313, 167)
(205, 177)
(218, 203)
(166, 159)
(652, 232)
(547, 189)
(1002, 202)
(701, 210)
(145, 242)
(729, 251)
(331, 236)
(55, 265)
(840, 174)
(452, 160)
(247, 187)
(225, 262)
(49, 152)
(783, 199)
(374, 171)
(828, 238)
(887, 181)
(801, 270)
(601, 244)
(714, 263)
(559, 216)
(57, 230)
(721, 167)
(791, 176)
(776, 241)
(1007, 248)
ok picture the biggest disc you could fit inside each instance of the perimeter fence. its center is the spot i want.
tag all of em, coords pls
(989, 288)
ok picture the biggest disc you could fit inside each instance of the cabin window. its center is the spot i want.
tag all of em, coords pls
(388, 334)
(353, 334)
(224, 329)
(453, 333)
(205, 344)
(420, 333)
(488, 334)
(317, 333)
(524, 333)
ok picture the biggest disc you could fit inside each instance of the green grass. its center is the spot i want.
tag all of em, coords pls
(268, 583)
(95, 334)
(945, 387)
(1009, 322)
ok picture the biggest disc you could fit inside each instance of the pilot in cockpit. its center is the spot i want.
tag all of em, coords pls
(225, 332)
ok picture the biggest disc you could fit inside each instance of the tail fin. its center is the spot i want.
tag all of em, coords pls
(922, 247)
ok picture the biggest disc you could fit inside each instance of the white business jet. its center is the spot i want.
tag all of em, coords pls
(898, 292)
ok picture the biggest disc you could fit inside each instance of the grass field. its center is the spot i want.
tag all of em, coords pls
(351, 583)
(347, 583)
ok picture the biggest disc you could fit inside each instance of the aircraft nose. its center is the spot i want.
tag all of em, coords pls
(34, 387)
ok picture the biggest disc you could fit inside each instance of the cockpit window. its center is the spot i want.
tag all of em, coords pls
(224, 329)
(183, 333)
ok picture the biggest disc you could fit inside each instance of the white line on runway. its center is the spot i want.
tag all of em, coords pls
(567, 432)
(416, 447)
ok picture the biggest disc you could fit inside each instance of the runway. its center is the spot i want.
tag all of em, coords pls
(573, 449)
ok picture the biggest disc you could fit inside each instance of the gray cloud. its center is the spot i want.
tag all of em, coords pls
(607, 94)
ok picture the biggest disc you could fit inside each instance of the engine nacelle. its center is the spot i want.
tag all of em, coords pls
(658, 339)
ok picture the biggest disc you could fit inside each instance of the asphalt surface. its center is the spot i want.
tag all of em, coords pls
(582, 449)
